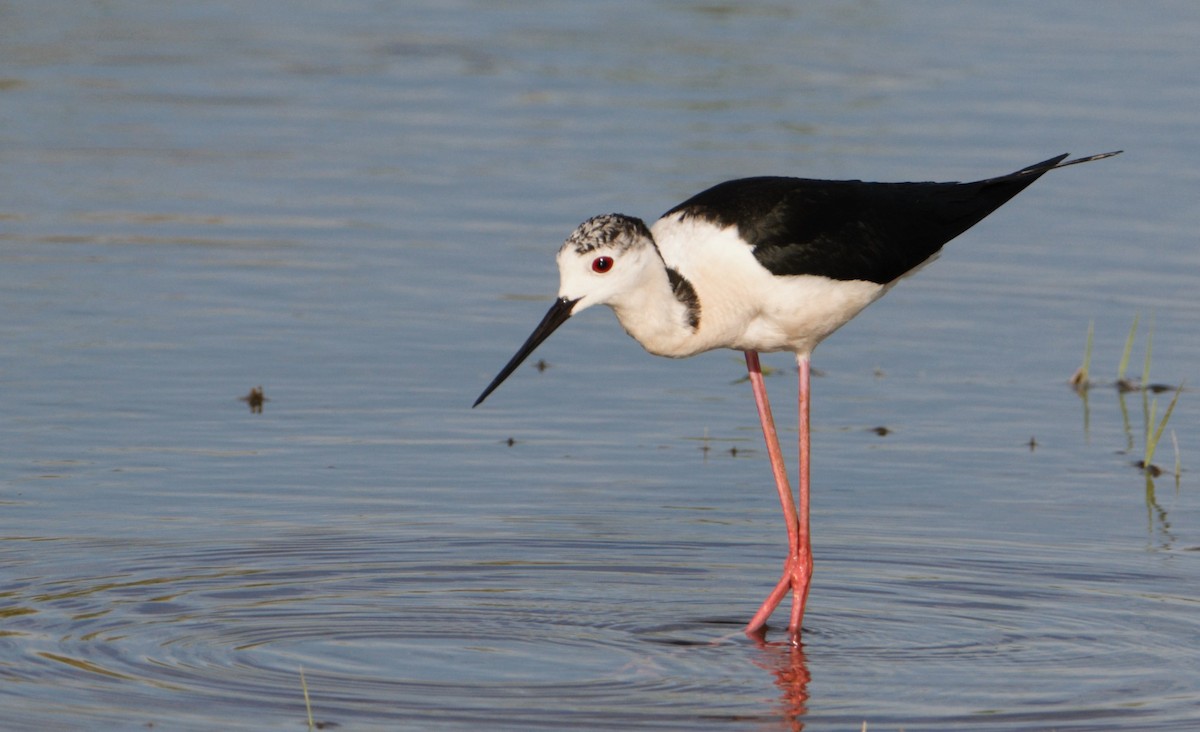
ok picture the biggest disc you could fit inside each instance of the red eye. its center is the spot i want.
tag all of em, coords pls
(602, 264)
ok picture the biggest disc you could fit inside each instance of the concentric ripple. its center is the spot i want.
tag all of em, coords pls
(381, 633)
(392, 631)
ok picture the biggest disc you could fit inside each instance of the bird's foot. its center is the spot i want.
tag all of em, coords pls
(797, 573)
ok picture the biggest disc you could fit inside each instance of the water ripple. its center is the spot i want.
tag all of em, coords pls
(233, 626)
(410, 631)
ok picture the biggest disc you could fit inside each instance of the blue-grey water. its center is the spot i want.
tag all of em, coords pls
(355, 205)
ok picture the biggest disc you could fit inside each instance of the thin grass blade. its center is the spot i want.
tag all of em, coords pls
(1128, 350)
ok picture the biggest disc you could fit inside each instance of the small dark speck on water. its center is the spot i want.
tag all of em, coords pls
(255, 399)
(1150, 469)
(510, 442)
(1033, 443)
(541, 365)
(881, 431)
(1160, 388)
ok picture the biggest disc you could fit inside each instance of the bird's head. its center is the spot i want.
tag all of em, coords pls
(603, 258)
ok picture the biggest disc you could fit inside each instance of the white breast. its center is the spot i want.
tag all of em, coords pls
(743, 305)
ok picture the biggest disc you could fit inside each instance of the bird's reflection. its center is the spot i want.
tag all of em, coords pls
(786, 661)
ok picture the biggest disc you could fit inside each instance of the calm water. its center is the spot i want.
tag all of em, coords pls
(355, 205)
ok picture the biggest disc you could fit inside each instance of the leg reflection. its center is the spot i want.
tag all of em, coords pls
(786, 661)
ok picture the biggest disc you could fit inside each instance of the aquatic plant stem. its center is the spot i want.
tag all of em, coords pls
(1124, 364)
(307, 703)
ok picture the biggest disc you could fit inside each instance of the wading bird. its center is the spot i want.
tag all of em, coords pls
(760, 265)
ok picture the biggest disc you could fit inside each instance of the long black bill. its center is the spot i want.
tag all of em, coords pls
(556, 316)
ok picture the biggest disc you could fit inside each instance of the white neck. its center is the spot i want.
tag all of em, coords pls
(655, 317)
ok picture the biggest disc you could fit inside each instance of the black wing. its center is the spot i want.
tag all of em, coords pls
(851, 230)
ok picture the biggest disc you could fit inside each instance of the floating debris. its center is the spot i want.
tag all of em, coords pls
(1150, 469)
(1079, 380)
(255, 399)
(1126, 386)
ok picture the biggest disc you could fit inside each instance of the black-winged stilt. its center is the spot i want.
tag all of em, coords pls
(760, 265)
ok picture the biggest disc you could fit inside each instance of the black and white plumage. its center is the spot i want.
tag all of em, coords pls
(766, 264)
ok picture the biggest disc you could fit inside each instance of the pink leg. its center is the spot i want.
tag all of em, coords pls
(797, 569)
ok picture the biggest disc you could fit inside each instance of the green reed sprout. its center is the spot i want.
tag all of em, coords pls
(1152, 437)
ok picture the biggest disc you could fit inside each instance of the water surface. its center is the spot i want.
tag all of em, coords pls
(356, 205)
